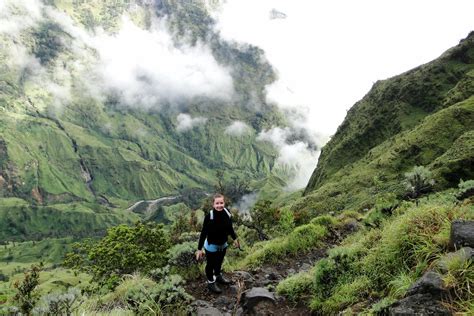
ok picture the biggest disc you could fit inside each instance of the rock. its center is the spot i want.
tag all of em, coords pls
(246, 277)
(200, 303)
(208, 311)
(291, 271)
(240, 311)
(429, 283)
(233, 289)
(305, 267)
(254, 296)
(351, 226)
(418, 304)
(462, 234)
(243, 275)
(223, 301)
(463, 254)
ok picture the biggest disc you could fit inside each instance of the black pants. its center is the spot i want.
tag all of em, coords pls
(214, 264)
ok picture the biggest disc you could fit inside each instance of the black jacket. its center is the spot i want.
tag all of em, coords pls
(216, 230)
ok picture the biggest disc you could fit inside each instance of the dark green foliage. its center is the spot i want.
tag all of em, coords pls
(26, 297)
(124, 250)
(263, 217)
(48, 43)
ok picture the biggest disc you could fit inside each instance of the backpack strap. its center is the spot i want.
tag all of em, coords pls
(211, 214)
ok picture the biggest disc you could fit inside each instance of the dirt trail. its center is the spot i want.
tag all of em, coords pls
(231, 302)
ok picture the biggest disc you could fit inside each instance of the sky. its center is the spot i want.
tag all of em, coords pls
(328, 54)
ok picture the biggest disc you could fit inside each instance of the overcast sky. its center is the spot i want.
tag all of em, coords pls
(329, 53)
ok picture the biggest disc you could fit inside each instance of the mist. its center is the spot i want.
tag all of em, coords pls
(142, 68)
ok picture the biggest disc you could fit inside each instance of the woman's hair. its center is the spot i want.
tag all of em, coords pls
(217, 196)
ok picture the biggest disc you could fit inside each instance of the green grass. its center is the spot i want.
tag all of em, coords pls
(302, 239)
(381, 263)
(443, 142)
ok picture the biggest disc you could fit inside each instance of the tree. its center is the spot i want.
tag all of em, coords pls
(263, 218)
(124, 250)
(418, 182)
(26, 297)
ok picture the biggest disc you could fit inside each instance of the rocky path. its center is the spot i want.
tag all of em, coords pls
(253, 292)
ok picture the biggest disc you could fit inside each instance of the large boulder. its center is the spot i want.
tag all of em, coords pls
(429, 283)
(418, 304)
(256, 296)
(462, 234)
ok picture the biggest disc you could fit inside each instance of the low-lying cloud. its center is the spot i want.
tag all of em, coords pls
(186, 122)
(140, 68)
(237, 128)
(145, 67)
(297, 156)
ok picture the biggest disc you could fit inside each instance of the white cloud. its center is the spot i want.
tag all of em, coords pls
(296, 156)
(237, 128)
(146, 67)
(186, 122)
(16, 16)
(329, 53)
(142, 67)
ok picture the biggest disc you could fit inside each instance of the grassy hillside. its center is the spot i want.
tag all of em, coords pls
(422, 117)
(70, 146)
(397, 105)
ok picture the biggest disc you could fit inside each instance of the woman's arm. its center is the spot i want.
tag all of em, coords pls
(202, 237)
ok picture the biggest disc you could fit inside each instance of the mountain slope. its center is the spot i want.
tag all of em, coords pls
(422, 117)
(396, 105)
(63, 140)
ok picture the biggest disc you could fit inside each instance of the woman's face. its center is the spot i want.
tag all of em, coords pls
(219, 204)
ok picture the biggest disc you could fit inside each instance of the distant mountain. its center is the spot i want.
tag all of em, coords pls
(70, 147)
(424, 116)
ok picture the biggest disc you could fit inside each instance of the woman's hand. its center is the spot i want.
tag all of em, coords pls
(199, 255)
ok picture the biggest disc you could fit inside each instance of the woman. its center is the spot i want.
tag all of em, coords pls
(215, 231)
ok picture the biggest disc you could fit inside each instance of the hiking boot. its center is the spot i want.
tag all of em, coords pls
(222, 280)
(214, 288)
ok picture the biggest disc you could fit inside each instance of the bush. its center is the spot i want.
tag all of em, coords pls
(418, 182)
(59, 303)
(466, 189)
(123, 250)
(26, 296)
(181, 258)
(163, 294)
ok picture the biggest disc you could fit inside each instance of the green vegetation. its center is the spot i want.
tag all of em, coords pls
(381, 263)
(299, 241)
(124, 250)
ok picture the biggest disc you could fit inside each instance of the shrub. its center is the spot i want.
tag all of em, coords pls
(59, 303)
(466, 189)
(418, 182)
(123, 250)
(181, 258)
(26, 296)
(162, 295)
